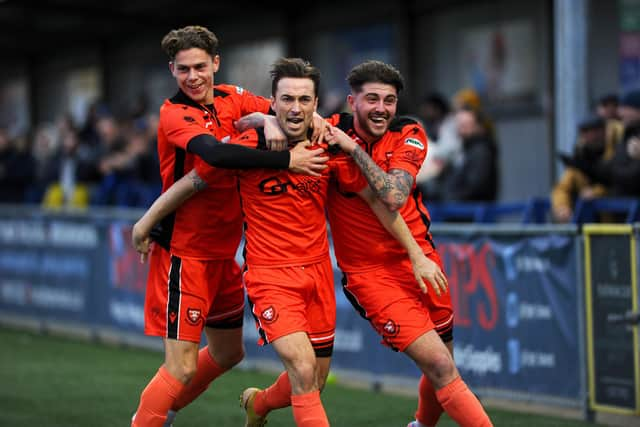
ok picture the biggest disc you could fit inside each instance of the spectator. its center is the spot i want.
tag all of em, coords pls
(475, 176)
(607, 107)
(16, 170)
(573, 184)
(434, 113)
(140, 179)
(72, 168)
(621, 173)
(43, 149)
(112, 159)
(447, 149)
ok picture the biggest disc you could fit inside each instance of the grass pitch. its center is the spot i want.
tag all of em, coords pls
(50, 381)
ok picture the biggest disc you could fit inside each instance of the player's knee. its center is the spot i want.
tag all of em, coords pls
(303, 376)
(183, 370)
(440, 369)
(229, 357)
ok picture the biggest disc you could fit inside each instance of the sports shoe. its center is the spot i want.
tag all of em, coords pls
(246, 402)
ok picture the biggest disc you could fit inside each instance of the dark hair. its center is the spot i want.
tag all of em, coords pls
(610, 98)
(296, 68)
(187, 38)
(374, 72)
(438, 101)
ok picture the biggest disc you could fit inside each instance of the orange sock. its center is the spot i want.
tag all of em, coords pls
(429, 409)
(308, 410)
(156, 399)
(277, 395)
(461, 405)
(207, 371)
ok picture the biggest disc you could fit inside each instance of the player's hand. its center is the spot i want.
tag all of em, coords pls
(276, 139)
(319, 126)
(306, 161)
(141, 242)
(424, 268)
(335, 136)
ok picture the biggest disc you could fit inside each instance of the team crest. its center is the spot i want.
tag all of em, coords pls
(193, 315)
(390, 328)
(269, 315)
(414, 143)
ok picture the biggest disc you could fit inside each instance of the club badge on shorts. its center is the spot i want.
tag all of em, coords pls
(269, 315)
(193, 315)
(390, 328)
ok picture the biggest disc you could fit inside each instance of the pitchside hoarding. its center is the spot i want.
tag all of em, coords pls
(515, 298)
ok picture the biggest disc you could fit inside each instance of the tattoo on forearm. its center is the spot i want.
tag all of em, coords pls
(403, 181)
(251, 121)
(197, 182)
(377, 178)
(394, 186)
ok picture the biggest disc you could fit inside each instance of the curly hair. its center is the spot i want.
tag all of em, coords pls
(187, 38)
(374, 72)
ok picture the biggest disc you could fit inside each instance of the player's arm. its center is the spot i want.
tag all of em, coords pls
(233, 156)
(276, 139)
(423, 267)
(391, 188)
(168, 202)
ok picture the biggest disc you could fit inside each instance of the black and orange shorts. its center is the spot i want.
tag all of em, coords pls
(284, 300)
(390, 299)
(184, 295)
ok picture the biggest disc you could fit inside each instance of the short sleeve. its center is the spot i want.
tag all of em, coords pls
(411, 149)
(180, 126)
(244, 102)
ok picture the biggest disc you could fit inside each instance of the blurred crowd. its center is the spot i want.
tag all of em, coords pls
(462, 163)
(107, 160)
(605, 161)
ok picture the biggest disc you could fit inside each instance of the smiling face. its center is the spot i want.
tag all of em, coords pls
(193, 70)
(373, 109)
(294, 103)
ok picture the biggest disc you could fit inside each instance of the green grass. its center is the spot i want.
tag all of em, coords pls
(54, 382)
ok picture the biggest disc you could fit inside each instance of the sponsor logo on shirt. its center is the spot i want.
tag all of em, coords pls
(414, 143)
(274, 186)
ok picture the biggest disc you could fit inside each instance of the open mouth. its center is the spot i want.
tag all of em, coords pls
(295, 122)
(195, 88)
(378, 120)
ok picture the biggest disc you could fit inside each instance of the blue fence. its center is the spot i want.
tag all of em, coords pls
(517, 293)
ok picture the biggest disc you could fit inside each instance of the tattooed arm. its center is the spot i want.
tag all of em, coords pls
(423, 267)
(168, 202)
(391, 188)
